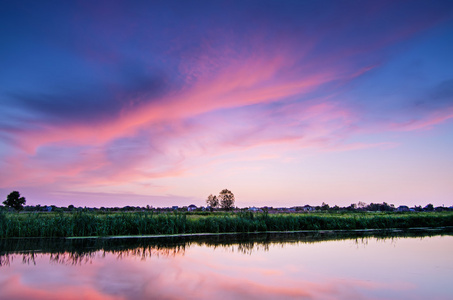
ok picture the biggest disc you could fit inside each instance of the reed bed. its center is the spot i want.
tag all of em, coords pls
(84, 224)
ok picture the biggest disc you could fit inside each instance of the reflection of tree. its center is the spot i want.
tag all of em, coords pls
(81, 251)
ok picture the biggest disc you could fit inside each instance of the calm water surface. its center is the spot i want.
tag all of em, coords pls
(268, 268)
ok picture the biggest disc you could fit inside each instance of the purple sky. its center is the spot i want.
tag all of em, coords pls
(283, 102)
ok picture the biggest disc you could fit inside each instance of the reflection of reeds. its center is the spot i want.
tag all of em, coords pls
(148, 223)
(81, 251)
(5, 259)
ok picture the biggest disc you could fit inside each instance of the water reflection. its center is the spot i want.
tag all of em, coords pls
(408, 265)
(79, 251)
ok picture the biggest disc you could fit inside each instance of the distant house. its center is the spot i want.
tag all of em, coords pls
(254, 209)
(403, 208)
(308, 208)
(175, 207)
(191, 207)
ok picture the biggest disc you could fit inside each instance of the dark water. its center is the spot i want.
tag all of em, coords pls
(259, 266)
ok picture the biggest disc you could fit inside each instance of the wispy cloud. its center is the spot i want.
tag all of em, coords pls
(131, 97)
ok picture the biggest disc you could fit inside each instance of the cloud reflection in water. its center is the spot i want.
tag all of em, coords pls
(368, 268)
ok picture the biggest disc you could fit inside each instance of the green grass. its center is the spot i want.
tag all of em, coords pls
(80, 224)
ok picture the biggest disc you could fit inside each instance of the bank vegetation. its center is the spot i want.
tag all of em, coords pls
(85, 224)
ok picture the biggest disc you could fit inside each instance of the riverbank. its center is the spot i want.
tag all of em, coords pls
(86, 224)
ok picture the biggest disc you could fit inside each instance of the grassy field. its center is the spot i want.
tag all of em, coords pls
(82, 224)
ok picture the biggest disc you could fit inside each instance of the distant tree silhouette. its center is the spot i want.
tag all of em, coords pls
(226, 199)
(325, 206)
(212, 201)
(429, 207)
(15, 201)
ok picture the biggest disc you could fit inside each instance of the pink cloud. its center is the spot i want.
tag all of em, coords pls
(251, 82)
(426, 122)
(258, 81)
(14, 289)
(208, 118)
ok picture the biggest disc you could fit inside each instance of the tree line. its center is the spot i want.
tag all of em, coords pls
(225, 200)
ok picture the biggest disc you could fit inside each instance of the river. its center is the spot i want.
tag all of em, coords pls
(261, 266)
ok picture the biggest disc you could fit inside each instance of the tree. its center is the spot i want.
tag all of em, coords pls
(429, 207)
(212, 201)
(361, 205)
(15, 201)
(226, 199)
(352, 207)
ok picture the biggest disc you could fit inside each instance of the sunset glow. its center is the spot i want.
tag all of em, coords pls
(282, 102)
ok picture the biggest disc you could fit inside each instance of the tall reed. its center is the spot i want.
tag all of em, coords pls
(80, 224)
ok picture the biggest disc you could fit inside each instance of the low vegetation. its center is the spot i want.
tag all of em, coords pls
(82, 224)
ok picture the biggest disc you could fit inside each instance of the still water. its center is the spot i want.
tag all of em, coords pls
(290, 266)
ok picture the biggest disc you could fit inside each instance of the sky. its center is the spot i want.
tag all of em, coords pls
(161, 103)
